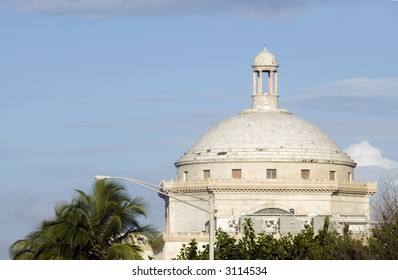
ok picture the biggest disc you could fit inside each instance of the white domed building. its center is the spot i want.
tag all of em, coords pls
(266, 164)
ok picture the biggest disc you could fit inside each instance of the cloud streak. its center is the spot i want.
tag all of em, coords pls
(358, 95)
(366, 155)
(273, 9)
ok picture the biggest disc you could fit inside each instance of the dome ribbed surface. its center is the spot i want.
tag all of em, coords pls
(264, 59)
(265, 136)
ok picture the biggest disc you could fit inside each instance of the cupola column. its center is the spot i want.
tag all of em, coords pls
(254, 83)
(270, 83)
(260, 83)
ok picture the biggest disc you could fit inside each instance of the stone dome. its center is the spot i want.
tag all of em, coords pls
(264, 59)
(265, 135)
(266, 164)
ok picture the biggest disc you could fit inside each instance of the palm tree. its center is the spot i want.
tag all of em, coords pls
(97, 226)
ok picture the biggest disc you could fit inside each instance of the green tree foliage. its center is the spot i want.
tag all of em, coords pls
(96, 226)
(156, 242)
(304, 246)
(191, 252)
(384, 241)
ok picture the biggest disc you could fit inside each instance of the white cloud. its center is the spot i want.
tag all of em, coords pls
(257, 8)
(364, 154)
(357, 95)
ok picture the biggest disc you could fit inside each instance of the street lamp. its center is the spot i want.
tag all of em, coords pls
(158, 189)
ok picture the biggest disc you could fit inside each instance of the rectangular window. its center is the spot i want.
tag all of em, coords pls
(332, 175)
(206, 174)
(236, 173)
(271, 173)
(185, 176)
(305, 174)
(350, 177)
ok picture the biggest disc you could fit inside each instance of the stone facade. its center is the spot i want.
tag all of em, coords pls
(266, 164)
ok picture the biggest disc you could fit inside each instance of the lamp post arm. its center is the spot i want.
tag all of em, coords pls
(157, 189)
(150, 186)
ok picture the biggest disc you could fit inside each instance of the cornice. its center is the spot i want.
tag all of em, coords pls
(272, 186)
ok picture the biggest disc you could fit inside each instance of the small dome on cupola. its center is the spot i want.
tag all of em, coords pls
(264, 59)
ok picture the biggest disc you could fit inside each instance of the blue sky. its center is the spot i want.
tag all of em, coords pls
(125, 87)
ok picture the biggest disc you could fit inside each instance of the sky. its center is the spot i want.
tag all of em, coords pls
(126, 87)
